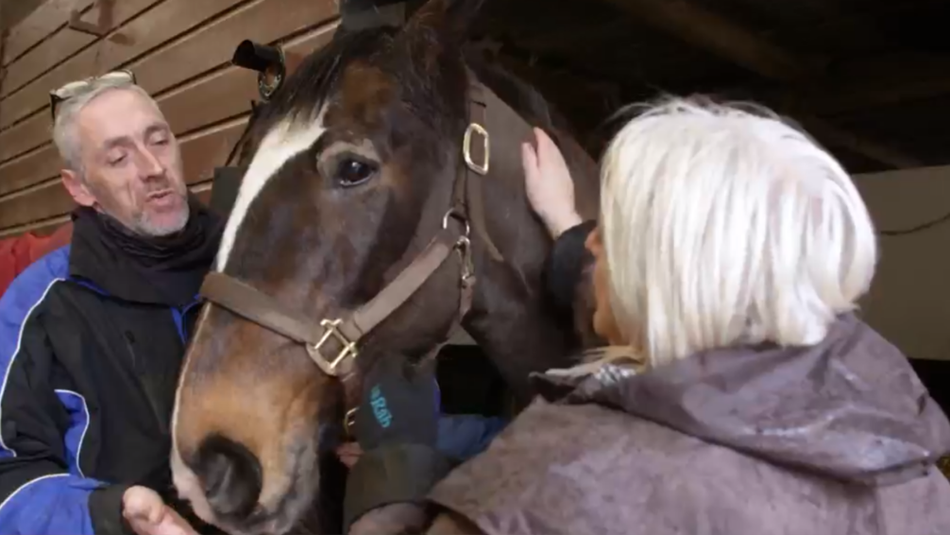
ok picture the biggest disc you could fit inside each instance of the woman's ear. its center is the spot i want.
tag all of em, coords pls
(76, 188)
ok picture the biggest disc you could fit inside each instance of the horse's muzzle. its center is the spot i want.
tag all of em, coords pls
(231, 477)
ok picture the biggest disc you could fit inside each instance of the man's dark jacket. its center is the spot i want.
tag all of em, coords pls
(91, 340)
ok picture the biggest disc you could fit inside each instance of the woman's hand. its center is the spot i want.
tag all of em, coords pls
(549, 185)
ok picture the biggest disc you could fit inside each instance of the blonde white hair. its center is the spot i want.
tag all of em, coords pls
(723, 227)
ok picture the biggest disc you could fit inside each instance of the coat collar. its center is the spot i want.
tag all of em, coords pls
(850, 407)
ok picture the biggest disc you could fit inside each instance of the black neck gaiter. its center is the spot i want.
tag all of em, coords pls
(164, 270)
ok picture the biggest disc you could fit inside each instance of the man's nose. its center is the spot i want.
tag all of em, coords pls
(150, 165)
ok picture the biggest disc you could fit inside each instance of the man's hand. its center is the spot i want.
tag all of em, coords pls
(349, 453)
(147, 514)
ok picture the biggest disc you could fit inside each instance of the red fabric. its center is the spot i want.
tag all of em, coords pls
(7, 263)
(47, 244)
(16, 254)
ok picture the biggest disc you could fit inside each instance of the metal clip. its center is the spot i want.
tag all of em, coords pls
(349, 421)
(467, 148)
(464, 247)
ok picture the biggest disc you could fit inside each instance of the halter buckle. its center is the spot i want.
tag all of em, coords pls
(467, 148)
(349, 348)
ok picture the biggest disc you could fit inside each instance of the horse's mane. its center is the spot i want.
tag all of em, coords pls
(316, 77)
(526, 100)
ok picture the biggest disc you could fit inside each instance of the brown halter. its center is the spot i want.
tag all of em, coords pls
(340, 337)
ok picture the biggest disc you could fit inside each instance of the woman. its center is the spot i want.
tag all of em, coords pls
(740, 394)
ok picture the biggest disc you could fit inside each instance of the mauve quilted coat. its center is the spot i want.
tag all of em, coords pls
(837, 439)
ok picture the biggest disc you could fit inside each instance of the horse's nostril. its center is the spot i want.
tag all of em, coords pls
(230, 475)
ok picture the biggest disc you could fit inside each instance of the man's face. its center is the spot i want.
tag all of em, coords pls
(132, 168)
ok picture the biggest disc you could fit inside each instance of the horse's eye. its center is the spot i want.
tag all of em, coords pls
(351, 172)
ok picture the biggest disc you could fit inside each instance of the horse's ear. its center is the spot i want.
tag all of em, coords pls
(450, 19)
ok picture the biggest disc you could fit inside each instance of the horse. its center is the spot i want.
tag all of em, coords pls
(383, 193)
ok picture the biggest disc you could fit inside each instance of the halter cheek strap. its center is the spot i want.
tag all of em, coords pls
(332, 343)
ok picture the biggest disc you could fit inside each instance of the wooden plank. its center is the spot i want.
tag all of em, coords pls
(166, 21)
(45, 202)
(63, 44)
(40, 228)
(27, 135)
(224, 94)
(264, 21)
(39, 24)
(207, 150)
(29, 169)
(12, 12)
(46, 227)
(201, 153)
(230, 91)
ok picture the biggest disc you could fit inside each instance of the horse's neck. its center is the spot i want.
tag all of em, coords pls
(527, 102)
(511, 319)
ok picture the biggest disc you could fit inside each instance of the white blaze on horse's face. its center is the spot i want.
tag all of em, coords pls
(285, 140)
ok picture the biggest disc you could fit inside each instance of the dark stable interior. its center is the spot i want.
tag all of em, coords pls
(869, 79)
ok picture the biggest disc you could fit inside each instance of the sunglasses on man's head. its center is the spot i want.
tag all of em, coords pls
(71, 89)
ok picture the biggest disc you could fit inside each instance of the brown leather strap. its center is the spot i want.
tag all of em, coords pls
(405, 284)
(475, 202)
(254, 305)
(328, 340)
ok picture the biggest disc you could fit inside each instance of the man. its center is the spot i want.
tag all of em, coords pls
(93, 334)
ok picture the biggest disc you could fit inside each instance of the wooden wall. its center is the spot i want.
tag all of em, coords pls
(180, 52)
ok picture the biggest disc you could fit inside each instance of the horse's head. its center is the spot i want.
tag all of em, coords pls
(352, 170)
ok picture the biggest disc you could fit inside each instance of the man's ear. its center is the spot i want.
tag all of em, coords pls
(74, 185)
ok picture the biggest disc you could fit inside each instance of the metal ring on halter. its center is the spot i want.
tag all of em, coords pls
(455, 213)
(349, 421)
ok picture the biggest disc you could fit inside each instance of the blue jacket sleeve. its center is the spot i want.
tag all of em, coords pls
(42, 487)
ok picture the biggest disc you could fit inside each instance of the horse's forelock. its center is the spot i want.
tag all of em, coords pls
(316, 78)
(293, 120)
